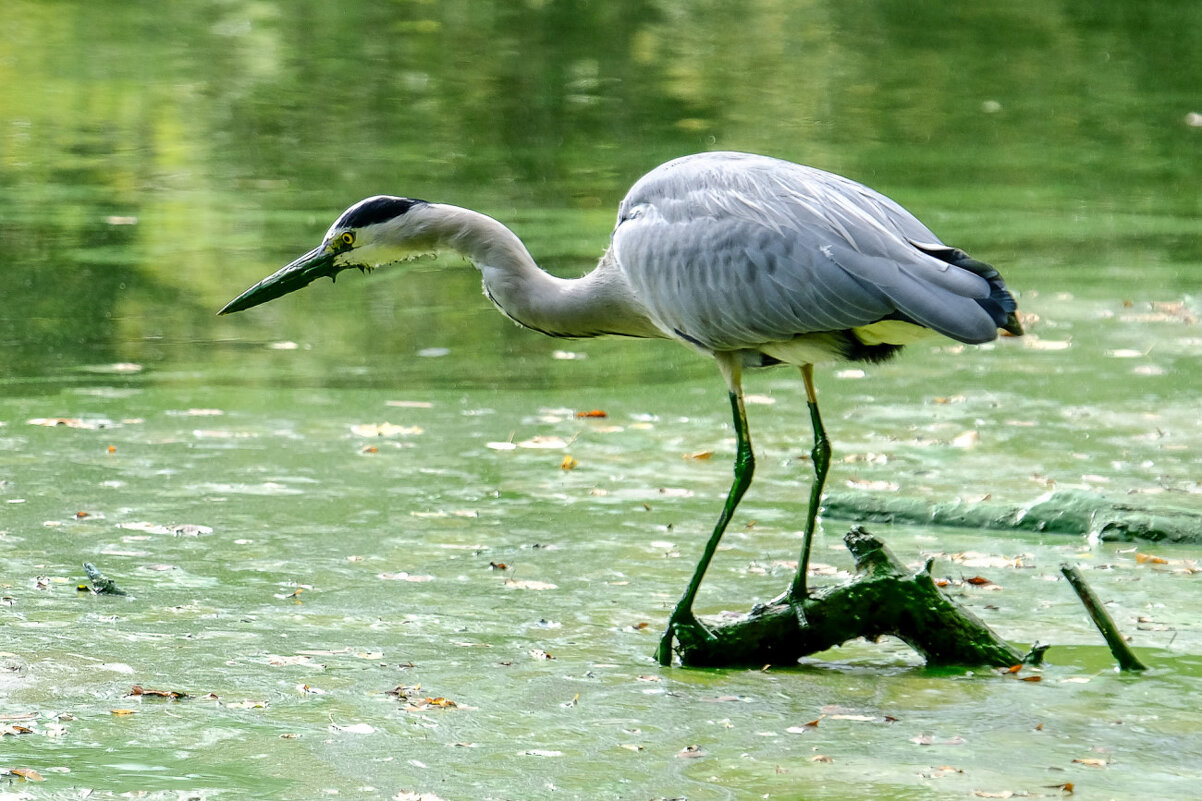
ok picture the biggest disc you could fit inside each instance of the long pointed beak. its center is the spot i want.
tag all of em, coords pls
(315, 264)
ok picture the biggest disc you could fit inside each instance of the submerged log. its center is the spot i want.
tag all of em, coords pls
(886, 599)
(1059, 512)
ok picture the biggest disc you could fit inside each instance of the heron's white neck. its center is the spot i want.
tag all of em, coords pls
(599, 303)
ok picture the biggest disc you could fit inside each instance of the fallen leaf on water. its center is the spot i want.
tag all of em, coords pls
(1033, 342)
(520, 584)
(592, 413)
(978, 581)
(28, 774)
(568, 462)
(139, 690)
(543, 442)
(385, 430)
(65, 422)
(699, 455)
(1067, 787)
(497, 566)
(15, 729)
(927, 739)
(403, 576)
(1090, 762)
(120, 712)
(874, 486)
(966, 440)
(1149, 559)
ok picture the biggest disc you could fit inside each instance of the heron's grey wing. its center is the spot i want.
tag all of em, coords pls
(733, 251)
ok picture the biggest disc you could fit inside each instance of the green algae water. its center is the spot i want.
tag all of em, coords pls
(342, 520)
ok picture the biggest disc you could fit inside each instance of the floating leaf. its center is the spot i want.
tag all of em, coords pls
(966, 439)
(1090, 762)
(568, 462)
(592, 413)
(520, 584)
(543, 442)
(403, 576)
(699, 455)
(139, 690)
(66, 422)
(385, 430)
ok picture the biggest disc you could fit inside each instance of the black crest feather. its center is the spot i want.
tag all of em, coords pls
(376, 210)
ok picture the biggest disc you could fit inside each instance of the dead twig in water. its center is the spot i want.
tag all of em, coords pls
(1101, 618)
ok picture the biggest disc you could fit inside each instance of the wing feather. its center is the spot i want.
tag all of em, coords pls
(733, 251)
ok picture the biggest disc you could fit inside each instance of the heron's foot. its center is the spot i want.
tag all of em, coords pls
(797, 598)
(685, 628)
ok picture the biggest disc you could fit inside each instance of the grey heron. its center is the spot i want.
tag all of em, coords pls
(747, 259)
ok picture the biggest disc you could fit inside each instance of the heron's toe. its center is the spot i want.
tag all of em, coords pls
(685, 629)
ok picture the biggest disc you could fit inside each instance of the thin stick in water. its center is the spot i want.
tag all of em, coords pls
(1101, 618)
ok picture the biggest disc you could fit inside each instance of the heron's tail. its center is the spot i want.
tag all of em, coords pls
(1000, 304)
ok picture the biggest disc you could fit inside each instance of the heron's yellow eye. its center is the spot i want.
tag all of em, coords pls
(347, 239)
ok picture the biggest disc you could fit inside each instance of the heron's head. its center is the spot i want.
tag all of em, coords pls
(377, 231)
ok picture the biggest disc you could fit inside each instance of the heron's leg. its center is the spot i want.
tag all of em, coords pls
(683, 622)
(821, 456)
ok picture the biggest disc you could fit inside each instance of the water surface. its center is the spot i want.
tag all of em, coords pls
(288, 564)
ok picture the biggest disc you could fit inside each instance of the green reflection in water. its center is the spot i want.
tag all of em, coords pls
(154, 164)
